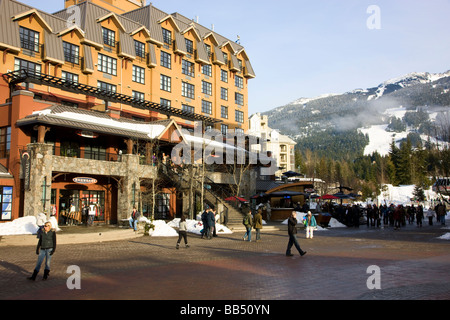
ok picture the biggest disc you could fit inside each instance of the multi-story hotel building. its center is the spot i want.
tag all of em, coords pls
(90, 94)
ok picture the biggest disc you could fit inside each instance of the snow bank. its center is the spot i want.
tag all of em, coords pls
(332, 224)
(195, 226)
(23, 226)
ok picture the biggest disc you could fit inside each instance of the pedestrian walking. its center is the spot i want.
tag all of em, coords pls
(211, 222)
(398, 213)
(134, 219)
(248, 226)
(419, 216)
(204, 232)
(441, 212)
(292, 232)
(430, 215)
(311, 225)
(257, 224)
(182, 232)
(45, 249)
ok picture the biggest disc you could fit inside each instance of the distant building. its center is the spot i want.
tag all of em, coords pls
(281, 147)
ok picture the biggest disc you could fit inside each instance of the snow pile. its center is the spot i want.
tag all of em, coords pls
(402, 195)
(25, 225)
(194, 226)
(332, 224)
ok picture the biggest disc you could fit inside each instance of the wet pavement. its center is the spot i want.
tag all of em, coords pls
(410, 264)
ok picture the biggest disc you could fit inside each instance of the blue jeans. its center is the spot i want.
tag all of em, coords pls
(44, 254)
(133, 224)
(248, 233)
(293, 241)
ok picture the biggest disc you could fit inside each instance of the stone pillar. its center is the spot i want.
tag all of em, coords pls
(130, 187)
(38, 188)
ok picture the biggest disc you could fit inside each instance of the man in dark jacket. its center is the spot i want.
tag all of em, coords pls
(292, 231)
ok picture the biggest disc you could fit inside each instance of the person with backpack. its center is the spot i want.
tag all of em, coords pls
(247, 222)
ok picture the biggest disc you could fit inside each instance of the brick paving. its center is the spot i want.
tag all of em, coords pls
(414, 265)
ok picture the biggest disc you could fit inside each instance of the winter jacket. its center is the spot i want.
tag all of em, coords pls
(292, 223)
(311, 223)
(47, 240)
(257, 221)
(183, 226)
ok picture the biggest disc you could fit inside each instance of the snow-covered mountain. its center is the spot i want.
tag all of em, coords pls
(370, 111)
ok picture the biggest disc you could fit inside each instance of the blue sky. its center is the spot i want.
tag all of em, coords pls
(308, 48)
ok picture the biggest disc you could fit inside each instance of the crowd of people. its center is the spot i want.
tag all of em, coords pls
(390, 216)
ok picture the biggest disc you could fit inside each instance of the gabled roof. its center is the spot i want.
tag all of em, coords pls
(82, 119)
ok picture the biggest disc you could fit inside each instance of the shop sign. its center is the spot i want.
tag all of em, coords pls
(87, 134)
(84, 180)
(26, 169)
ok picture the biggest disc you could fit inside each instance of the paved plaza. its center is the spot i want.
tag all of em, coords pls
(413, 264)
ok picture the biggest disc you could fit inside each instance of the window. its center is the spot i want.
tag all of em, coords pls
(207, 88)
(224, 94)
(239, 99)
(166, 60)
(5, 141)
(109, 37)
(69, 77)
(165, 102)
(31, 67)
(239, 116)
(107, 64)
(140, 49)
(98, 198)
(6, 203)
(208, 50)
(225, 57)
(224, 76)
(188, 68)
(29, 39)
(187, 108)
(138, 74)
(165, 83)
(224, 129)
(239, 82)
(106, 87)
(206, 107)
(71, 53)
(162, 206)
(188, 90)
(207, 70)
(138, 95)
(189, 46)
(167, 36)
(224, 112)
(94, 152)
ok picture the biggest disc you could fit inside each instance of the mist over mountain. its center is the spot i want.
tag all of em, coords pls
(408, 104)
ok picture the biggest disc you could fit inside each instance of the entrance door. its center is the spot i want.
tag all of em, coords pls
(69, 203)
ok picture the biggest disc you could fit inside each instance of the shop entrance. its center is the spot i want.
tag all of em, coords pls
(74, 206)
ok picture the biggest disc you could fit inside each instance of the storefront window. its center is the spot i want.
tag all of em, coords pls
(97, 198)
(6, 203)
(162, 206)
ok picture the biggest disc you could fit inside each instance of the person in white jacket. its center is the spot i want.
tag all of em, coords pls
(182, 232)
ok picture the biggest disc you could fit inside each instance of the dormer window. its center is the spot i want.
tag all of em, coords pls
(29, 39)
(167, 36)
(109, 37)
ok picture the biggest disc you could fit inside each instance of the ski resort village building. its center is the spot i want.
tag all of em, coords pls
(93, 100)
